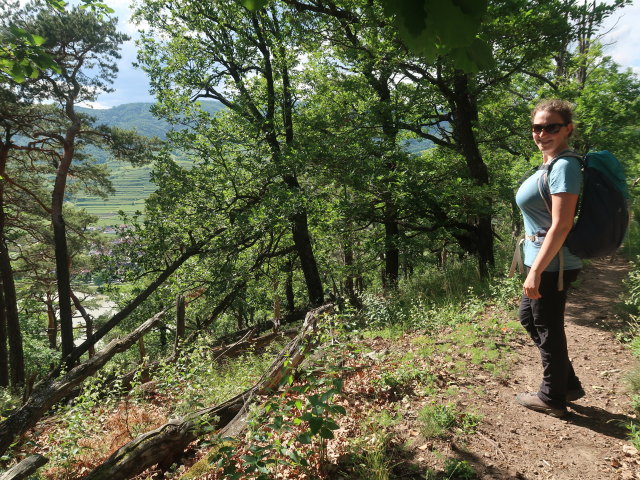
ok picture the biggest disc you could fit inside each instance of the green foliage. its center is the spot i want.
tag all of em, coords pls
(407, 375)
(22, 52)
(307, 410)
(22, 56)
(323, 110)
(8, 401)
(437, 420)
(195, 382)
(370, 454)
(455, 469)
(372, 462)
(433, 28)
(632, 300)
(634, 434)
(255, 4)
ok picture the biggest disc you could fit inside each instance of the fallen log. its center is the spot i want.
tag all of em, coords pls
(25, 468)
(165, 444)
(51, 390)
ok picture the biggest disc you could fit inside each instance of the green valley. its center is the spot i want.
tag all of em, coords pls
(132, 184)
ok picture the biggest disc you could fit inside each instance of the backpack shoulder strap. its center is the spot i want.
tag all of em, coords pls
(565, 154)
(543, 181)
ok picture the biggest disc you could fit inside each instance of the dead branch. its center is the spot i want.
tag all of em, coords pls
(51, 390)
(165, 444)
(25, 468)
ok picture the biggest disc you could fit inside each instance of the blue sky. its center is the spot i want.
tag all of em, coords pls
(622, 37)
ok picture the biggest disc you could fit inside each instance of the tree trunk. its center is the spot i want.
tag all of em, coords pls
(63, 281)
(349, 281)
(142, 351)
(4, 353)
(299, 219)
(180, 323)
(63, 275)
(288, 288)
(302, 241)
(52, 326)
(391, 250)
(13, 332)
(51, 390)
(88, 321)
(465, 114)
(277, 307)
(165, 444)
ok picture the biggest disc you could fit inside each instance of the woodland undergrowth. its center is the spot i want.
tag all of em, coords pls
(384, 396)
(404, 360)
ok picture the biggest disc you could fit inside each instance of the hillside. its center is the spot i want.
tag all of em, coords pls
(432, 398)
(137, 116)
(131, 184)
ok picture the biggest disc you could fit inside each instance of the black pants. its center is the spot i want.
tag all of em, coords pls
(544, 320)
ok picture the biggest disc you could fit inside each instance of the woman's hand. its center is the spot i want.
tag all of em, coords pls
(563, 207)
(531, 285)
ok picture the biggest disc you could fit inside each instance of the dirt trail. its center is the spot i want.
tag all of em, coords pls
(590, 444)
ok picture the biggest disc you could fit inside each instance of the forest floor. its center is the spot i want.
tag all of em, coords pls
(592, 442)
(469, 375)
(438, 402)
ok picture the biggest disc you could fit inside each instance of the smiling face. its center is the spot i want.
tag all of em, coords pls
(551, 144)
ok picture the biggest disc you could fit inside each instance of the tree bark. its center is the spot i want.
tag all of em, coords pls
(14, 333)
(25, 468)
(52, 326)
(63, 275)
(165, 444)
(180, 323)
(350, 279)
(302, 241)
(391, 250)
(288, 288)
(466, 113)
(299, 218)
(51, 390)
(4, 352)
(88, 321)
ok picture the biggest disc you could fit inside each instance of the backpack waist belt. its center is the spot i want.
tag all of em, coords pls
(519, 264)
(534, 238)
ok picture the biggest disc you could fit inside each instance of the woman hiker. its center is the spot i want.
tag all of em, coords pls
(550, 266)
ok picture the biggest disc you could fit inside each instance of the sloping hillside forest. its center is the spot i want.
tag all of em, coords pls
(331, 177)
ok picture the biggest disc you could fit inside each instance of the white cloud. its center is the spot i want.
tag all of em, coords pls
(622, 37)
(94, 105)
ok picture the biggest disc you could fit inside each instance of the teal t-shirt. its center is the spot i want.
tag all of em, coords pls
(565, 176)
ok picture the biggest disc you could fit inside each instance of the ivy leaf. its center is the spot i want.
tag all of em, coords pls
(326, 434)
(57, 4)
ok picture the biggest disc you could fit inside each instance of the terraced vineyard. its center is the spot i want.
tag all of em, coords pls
(132, 185)
(132, 188)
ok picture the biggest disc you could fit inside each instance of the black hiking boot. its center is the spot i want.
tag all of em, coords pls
(575, 394)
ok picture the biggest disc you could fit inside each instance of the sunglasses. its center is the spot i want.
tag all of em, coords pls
(549, 128)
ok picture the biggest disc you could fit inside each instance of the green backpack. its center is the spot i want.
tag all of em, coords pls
(603, 214)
